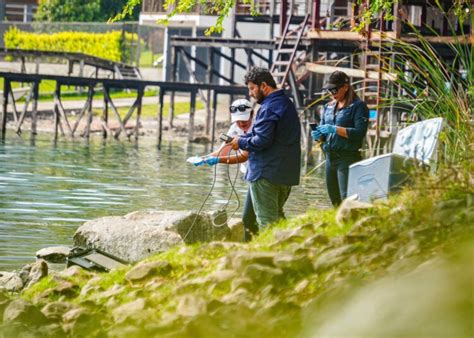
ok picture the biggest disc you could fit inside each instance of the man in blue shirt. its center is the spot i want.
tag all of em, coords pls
(273, 144)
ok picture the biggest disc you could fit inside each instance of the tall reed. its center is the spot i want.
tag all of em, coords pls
(430, 85)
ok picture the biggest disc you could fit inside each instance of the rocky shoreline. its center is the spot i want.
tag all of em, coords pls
(400, 267)
(131, 238)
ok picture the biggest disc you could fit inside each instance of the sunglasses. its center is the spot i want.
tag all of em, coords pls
(334, 90)
(241, 108)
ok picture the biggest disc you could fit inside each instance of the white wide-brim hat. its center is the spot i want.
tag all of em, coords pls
(240, 110)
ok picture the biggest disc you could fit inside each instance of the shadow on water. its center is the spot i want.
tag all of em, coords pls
(48, 188)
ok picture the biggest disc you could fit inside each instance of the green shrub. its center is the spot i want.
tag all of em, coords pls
(104, 45)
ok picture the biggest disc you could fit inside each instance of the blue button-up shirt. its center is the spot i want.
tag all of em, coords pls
(354, 118)
(273, 142)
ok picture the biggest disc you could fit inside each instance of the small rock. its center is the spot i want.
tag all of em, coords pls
(296, 265)
(128, 310)
(332, 257)
(80, 322)
(74, 271)
(288, 236)
(236, 233)
(23, 312)
(55, 310)
(111, 292)
(191, 306)
(148, 269)
(263, 274)
(51, 330)
(238, 296)
(4, 301)
(75, 314)
(54, 254)
(351, 209)
(64, 288)
(10, 281)
(316, 240)
(239, 260)
(38, 271)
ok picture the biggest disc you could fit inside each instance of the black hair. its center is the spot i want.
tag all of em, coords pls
(259, 75)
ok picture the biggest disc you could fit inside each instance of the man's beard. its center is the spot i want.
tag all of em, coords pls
(260, 96)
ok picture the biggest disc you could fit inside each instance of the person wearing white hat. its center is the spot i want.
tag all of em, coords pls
(241, 115)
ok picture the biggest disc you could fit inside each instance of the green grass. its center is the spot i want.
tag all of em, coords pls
(151, 110)
(147, 58)
(47, 88)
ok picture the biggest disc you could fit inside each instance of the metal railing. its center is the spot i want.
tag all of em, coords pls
(20, 12)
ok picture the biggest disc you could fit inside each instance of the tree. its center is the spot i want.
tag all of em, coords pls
(223, 7)
(68, 10)
(370, 9)
(82, 10)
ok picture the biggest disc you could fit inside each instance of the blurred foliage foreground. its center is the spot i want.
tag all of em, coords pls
(401, 267)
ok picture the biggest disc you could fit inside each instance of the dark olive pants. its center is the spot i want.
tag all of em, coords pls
(249, 219)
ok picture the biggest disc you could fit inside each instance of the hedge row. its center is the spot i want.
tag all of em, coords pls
(104, 45)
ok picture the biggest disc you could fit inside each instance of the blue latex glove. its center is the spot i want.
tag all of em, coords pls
(199, 163)
(327, 129)
(211, 160)
(316, 135)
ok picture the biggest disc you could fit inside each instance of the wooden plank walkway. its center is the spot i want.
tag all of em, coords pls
(61, 120)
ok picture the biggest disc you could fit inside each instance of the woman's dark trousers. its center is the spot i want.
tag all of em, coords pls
(337, 174)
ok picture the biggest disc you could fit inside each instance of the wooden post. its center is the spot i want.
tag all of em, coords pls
(174, 62)
(315, 14)
(160, 117)
(272, 14)
(3, 122)
(23, 65)
(90, 95)
(139, 111)
(25, 108)
(214, 113)
(283, 15)
(249, 58)
(397, 23)
(191, 116)
(81, 73)
(105, 115)
(57, 94)
(210, 54)
(34, 111)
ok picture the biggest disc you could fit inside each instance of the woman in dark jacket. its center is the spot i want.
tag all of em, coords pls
(342, 130)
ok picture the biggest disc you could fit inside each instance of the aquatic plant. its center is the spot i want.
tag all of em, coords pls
(432, 85)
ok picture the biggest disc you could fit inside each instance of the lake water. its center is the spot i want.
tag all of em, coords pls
(47, 189)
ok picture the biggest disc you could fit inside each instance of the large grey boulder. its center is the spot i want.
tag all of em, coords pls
(128, 240)
(142, 233)
(192, 227)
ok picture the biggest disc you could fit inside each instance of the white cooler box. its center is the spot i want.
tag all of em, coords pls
(378, 176)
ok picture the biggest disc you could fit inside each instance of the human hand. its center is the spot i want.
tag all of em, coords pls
(316, 135)
(235, 143)
(211, 160)
(196, 160)
(326, 129)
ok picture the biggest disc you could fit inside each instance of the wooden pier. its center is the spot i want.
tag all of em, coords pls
(61, 121)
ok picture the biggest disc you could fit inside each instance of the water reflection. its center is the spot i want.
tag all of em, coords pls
(47, 188)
